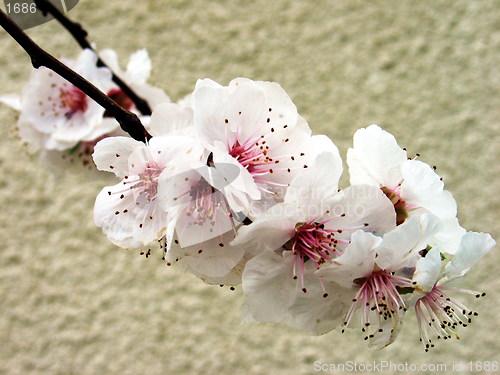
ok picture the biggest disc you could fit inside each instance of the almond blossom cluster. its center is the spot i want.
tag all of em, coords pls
(236, 190)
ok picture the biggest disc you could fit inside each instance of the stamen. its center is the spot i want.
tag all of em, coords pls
(440, 314)
(378, 294)
(311, 243)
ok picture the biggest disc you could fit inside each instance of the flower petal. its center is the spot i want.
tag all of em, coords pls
(242, 190)
(111, 154)
(448, 238)
(365, 207)
(400, 247)
(139, 67)
(108, 215)
(12, 100)
(390, 330)
(271, 230)
(209, 258)
(472, 248)
(375, 158)
(357, 261)
(233, 277)
(422, 187)
(110, 57)
(153, 95)
(269, 286)
(317, 184)
(170, 118)
(427, 271)
(311, 312)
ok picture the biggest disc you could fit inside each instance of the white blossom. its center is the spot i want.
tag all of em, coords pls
(204, 223)
(56, 115)
(307, 231)
(63, 124)
(136, 76)
(438, 314)
(255, 126)
(413, 186)
(128, 212)
(378, 269)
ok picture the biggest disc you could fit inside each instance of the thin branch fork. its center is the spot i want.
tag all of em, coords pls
(80, 35)
(128, 121)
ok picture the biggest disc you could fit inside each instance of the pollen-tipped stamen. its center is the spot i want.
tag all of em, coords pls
(378, 294)
(439, 314)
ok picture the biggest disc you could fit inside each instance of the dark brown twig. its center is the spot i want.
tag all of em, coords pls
(80, 35)
(128, 121)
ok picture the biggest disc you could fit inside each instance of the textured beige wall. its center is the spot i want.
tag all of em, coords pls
(70, 303)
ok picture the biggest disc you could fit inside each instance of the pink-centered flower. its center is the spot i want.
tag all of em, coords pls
(380, 270)
(439, 314)
(254, 126)
(255, 143)
(129, 212)
(412, 186)
(63, 124)
(293, 239)
(56, 115)
(204, 222)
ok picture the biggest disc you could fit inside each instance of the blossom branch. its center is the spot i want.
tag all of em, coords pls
(80, 35)
(128, 121)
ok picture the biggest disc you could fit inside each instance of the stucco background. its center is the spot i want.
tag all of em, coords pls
(71, 303)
